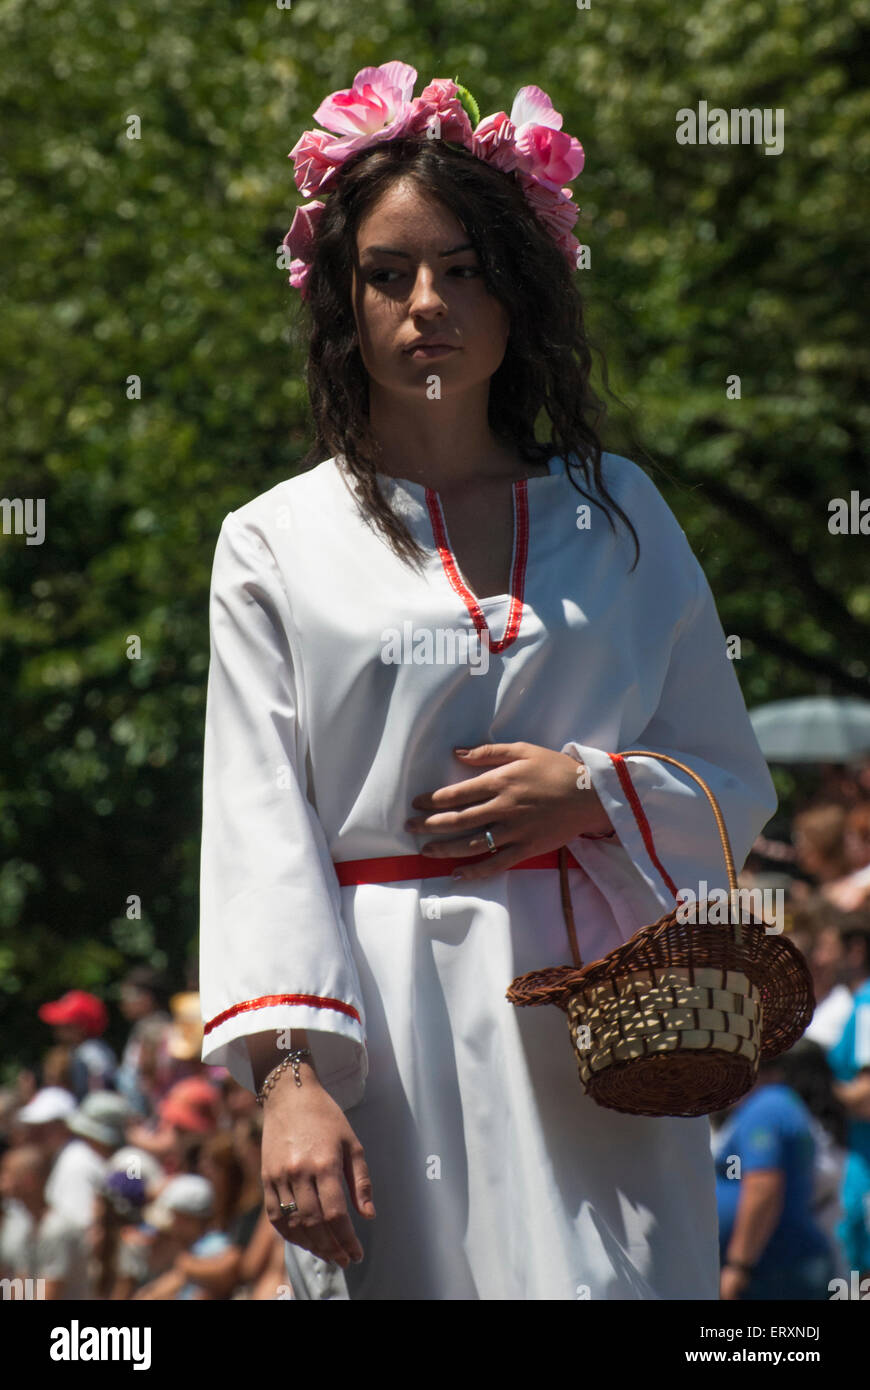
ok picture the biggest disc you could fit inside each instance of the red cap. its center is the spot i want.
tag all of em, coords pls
(84, 1010)
(191, 1104)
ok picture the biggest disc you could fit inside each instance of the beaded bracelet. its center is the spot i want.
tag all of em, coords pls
(291, 1060)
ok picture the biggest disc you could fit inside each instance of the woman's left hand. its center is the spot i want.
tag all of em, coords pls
(532, 799)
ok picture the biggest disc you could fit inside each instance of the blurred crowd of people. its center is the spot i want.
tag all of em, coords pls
(139, 1177)
(793, 1155)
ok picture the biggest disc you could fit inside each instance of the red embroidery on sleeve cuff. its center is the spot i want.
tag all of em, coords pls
(640, 816)
(267, 1001)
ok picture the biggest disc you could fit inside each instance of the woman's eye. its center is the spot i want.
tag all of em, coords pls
(377, 276)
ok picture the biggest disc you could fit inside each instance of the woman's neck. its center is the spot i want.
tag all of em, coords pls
(441, 443)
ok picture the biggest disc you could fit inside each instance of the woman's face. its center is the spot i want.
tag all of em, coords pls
(423, 293)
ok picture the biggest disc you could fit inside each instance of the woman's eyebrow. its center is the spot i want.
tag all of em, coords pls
(392, 251)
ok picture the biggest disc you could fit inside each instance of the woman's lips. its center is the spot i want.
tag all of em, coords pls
(430, 351)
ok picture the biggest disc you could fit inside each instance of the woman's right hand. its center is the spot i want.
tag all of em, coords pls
(308, 1145)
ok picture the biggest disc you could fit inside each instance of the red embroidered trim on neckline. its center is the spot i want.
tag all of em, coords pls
(640, 816)
(518, 568)
(267, 1001)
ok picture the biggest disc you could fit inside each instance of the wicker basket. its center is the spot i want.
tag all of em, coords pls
(675, 1020)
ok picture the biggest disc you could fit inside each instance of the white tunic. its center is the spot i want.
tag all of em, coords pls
(494, 1177)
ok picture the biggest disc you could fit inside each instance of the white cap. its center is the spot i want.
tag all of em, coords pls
(102, 1115)
(189, 1194)
(51, 1103)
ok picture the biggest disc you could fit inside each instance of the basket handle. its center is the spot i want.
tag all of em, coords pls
(723, 835)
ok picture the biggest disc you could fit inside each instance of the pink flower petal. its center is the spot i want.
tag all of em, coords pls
(493, 141)
(353, 111)
(300, 237)
(398, 76)
(311, 169)
(551, 156)
(532, 106)
(298, 278)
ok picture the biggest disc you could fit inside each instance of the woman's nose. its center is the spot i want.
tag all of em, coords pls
(425, 296)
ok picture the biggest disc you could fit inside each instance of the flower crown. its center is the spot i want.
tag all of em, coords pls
(379, 106)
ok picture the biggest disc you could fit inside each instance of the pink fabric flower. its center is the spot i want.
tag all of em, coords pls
(440, 99)
(312, 169)
(554, 207)
(550, 156)
(377, 107)
(299, 242)
(570, 248)
(546, 152)
(493, 140)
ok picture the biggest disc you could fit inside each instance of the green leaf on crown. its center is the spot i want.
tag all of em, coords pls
(468, 102)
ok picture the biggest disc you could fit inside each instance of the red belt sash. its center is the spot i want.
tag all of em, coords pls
(398, 868)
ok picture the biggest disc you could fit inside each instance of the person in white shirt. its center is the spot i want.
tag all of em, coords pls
(42, 1251)
(98, 1128)
(853, 891)
(816, 932)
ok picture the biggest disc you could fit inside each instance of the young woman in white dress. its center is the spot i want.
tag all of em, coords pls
(434, 1142)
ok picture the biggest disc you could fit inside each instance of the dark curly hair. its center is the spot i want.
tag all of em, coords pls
(548, 359)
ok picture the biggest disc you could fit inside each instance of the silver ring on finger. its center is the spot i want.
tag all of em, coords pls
(287, 1208)
(490, 842)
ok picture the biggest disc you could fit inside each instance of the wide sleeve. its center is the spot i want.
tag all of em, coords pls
(274, 951)
(666, 837)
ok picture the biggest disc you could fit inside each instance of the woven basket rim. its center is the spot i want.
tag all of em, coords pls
(780, 1016)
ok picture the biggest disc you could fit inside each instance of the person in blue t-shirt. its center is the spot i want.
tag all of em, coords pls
(849, 1060)
(184, 1208)
(769, 1242)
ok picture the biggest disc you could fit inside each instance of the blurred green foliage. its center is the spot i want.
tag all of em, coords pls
(156, 258)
